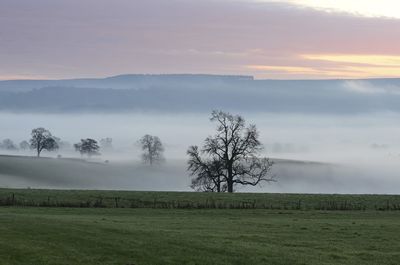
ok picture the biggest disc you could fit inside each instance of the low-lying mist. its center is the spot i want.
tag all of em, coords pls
(354, 153)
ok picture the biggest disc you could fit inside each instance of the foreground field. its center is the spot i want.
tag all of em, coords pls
(58, 236)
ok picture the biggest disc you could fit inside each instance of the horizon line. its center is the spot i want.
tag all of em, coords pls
(250, 77)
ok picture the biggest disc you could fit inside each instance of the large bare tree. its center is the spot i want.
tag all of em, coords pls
(230, 157)
(152, 149)
(207, 172)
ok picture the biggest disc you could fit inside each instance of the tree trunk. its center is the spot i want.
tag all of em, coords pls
(230, 177)
(150, 156)
(230, 180)
(230, 186)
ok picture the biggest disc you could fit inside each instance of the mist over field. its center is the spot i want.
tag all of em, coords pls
(352, 148)
(335, 136)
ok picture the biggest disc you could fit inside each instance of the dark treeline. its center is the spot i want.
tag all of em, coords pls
(171, 200)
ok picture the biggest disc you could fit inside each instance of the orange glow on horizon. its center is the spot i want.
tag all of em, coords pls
(368, 59)
(340, 66)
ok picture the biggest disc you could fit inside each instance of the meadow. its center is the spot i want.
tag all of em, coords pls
(61, 236)
(43, 227)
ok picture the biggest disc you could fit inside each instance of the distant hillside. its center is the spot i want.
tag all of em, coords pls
(131, 81)
(198, 93)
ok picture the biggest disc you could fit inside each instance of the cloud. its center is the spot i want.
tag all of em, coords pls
(99, 38)
(371, 8)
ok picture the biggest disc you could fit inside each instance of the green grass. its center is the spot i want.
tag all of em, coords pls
(196, 228)
(60, 236)
(138, 199)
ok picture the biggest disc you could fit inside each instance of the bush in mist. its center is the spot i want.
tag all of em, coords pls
(62, 145)
(153, 149)
(41, 140)
(8, 144)
(87, 147)
(229, 157)
(24, 145)
(106, 144)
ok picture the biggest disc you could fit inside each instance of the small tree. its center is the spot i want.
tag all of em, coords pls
(42, 140)
(87, 147)
(152, 149)
(229, 157)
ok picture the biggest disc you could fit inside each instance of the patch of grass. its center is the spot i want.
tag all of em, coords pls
(61, 236)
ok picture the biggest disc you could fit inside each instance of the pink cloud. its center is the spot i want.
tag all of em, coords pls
(100, 37)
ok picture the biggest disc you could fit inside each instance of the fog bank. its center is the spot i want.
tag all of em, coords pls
(292, 176)
(356, 153)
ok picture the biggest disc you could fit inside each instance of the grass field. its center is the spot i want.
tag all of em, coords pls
(186, 236)
(196, 228)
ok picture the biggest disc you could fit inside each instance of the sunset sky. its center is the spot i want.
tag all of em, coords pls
(274, 39)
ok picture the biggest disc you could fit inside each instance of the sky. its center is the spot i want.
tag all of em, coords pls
(269, 39)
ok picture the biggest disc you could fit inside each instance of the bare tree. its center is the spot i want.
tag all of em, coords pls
(153, 149)
(229, 157)
(208, 173)
(87, 147)
(42, 140)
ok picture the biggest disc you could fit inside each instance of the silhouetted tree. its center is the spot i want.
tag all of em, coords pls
(229, 157)
(208, 173)
(42, 140)
(24, 145)
(152, 149)
(87, 147)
